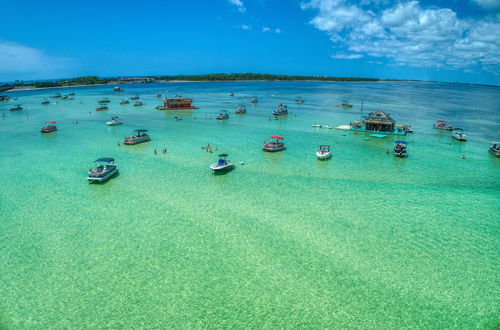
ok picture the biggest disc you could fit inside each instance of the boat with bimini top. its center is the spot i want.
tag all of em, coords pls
(400, 149)
(223, 115)
(222, 164)
(139, 136)
(115, 121)
(324, 152)
(276, 144)
(442, 125)
(101, 108)
(458, 134)
(106, 169)
(50, 126)
(281, 111)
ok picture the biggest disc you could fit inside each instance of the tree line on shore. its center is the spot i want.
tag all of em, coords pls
(94, 80)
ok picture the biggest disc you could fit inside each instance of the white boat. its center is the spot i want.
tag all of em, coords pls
(495, 149)
(276, 144)
(115, 121)
(103, 171)
(223, 115)
(241, 110)
(222, 164)
(458, 134)
(400, 149)
(324, 152)
(139, 136)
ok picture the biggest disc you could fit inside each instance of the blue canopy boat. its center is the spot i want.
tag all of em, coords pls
(105, 170)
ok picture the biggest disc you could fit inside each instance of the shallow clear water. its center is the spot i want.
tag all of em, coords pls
(363, 240)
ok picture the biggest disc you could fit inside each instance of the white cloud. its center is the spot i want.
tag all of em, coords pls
(408, 34)
(244, 27)
(488, 4)
(266, 29)
(18, 61)
(239, 4)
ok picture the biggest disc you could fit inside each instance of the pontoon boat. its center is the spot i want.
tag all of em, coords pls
(50, 126)
(276, 144)
(103, 171)
(442, 125)
(282, 110)
(139, 136)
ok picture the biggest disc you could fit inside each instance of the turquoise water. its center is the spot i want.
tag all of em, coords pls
(363, 240)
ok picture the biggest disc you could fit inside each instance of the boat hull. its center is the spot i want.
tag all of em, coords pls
(99, 178)
(271, 149)
(323, 156)
(111, 123)
(459, 137)
(215, 167)
(48, 130)
(137, 140)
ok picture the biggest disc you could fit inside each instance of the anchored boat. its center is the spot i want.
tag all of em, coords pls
(254, 100)
(115, 121)
(124, 101)
(282, 110)
(106, 169)
(50, 126)
(241, 110)
(139, 136)
(324, 152)
(495, 149)
(101, 108)
(222, 165)
(276, 144)
(299, 100)
(138, 104)
(104, 101)
(223, 115)
(177, 103)
(442, 125)
(400, 149)
(458, 134)
(18, 107)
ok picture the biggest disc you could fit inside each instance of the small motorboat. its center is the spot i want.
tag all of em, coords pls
(124, 101)
(158, 94)
(138, 104)
(104, 101)
(346, 104)
(101, 108)
(408, 129)
(495, 149)
(442, 125)
(254, 100)
(117, 89)
(276, 144)
(324, 152)
(177, 118)
(4, 98)
(222, 164)
(50, 126)
(115, 121)
(240, 110)
(135, 97)
(299, 100)
(45, 102)
(72, 94)
(68, 98)
(458, 134)
(316, 125)
(106, 169)
(400, 149)
(139, 136)
(282, 110)
(18, 107)
(223, 115)
(231, 94)
(56, 96)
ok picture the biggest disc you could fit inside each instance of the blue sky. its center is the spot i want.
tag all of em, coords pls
(454, 40)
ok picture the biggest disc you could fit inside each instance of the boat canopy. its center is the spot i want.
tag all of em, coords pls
(222, 155)
(403, 142)
(141, 130)
(51, 122)
(324, 146)
(441, 121)
(105, 159)
(276, 137)
(458, 129)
